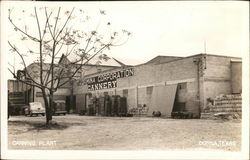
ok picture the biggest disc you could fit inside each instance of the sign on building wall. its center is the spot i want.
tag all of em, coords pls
(108, 80)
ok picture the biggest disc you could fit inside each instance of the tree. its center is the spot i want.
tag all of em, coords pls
(57, 35)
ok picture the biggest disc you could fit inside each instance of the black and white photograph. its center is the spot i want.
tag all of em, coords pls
(125, 80)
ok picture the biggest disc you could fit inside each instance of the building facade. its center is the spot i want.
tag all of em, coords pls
(166, 83)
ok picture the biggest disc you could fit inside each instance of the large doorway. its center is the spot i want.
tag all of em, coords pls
(81, 103)
(180, 98)
(71, 104)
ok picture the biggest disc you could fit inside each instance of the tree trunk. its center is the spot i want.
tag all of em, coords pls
(51, 103)
(48, 111)
(72, 98)
(71, 101)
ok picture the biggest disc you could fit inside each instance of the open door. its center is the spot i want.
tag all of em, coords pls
(70, 103)
(67, 101)
(81, 103)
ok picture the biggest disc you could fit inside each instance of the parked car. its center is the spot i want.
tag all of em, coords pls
(59, 107)
(34, 108)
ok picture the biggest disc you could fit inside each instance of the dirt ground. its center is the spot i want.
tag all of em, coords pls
(127, 133)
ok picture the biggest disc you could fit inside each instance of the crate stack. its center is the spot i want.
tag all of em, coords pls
(227, 104)
(107, 106)
(90, 108)
(139, 111)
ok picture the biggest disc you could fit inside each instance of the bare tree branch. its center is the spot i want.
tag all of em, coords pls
(68, 53)
(40, 48)
(55, 42)
(53, 39)
(84, 64)
(47, 20)
(65, 24)
(57, 18)
(20, 55)
(26, 82)
(38, 25)
(48, 24)
(25, 33)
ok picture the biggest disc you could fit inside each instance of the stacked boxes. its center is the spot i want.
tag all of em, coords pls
(123, 106)
(140, 110)
(101, 106)
(90, 108)
(107, 106)
(227, 104)
(114, 106)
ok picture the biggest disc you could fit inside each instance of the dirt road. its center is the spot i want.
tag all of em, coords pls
(127, 133)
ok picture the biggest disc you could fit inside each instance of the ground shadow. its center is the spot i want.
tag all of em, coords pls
(39, 125)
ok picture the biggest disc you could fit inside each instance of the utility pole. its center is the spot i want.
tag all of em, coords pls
(205, 47)
(14, 63)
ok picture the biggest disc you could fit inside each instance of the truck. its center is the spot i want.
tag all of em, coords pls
(59, 107)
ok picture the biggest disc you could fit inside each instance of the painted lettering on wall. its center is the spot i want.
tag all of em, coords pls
(108, 80)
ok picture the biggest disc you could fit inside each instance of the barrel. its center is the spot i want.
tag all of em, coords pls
(123, 106)
(102, 106)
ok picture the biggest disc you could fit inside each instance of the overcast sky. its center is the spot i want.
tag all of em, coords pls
(170, 28)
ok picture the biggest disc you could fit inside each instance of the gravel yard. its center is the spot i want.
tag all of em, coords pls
(127, 133)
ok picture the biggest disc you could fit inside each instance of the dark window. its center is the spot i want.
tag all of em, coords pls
(182, 86)
(125, 93)
(106, 93)
(150, 90)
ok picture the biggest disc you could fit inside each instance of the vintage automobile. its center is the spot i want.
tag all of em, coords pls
(59, 107)
(34, 108)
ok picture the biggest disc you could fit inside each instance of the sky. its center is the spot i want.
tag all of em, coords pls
(163, 28)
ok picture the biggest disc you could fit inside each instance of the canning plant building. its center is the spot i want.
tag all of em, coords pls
(165, 83)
